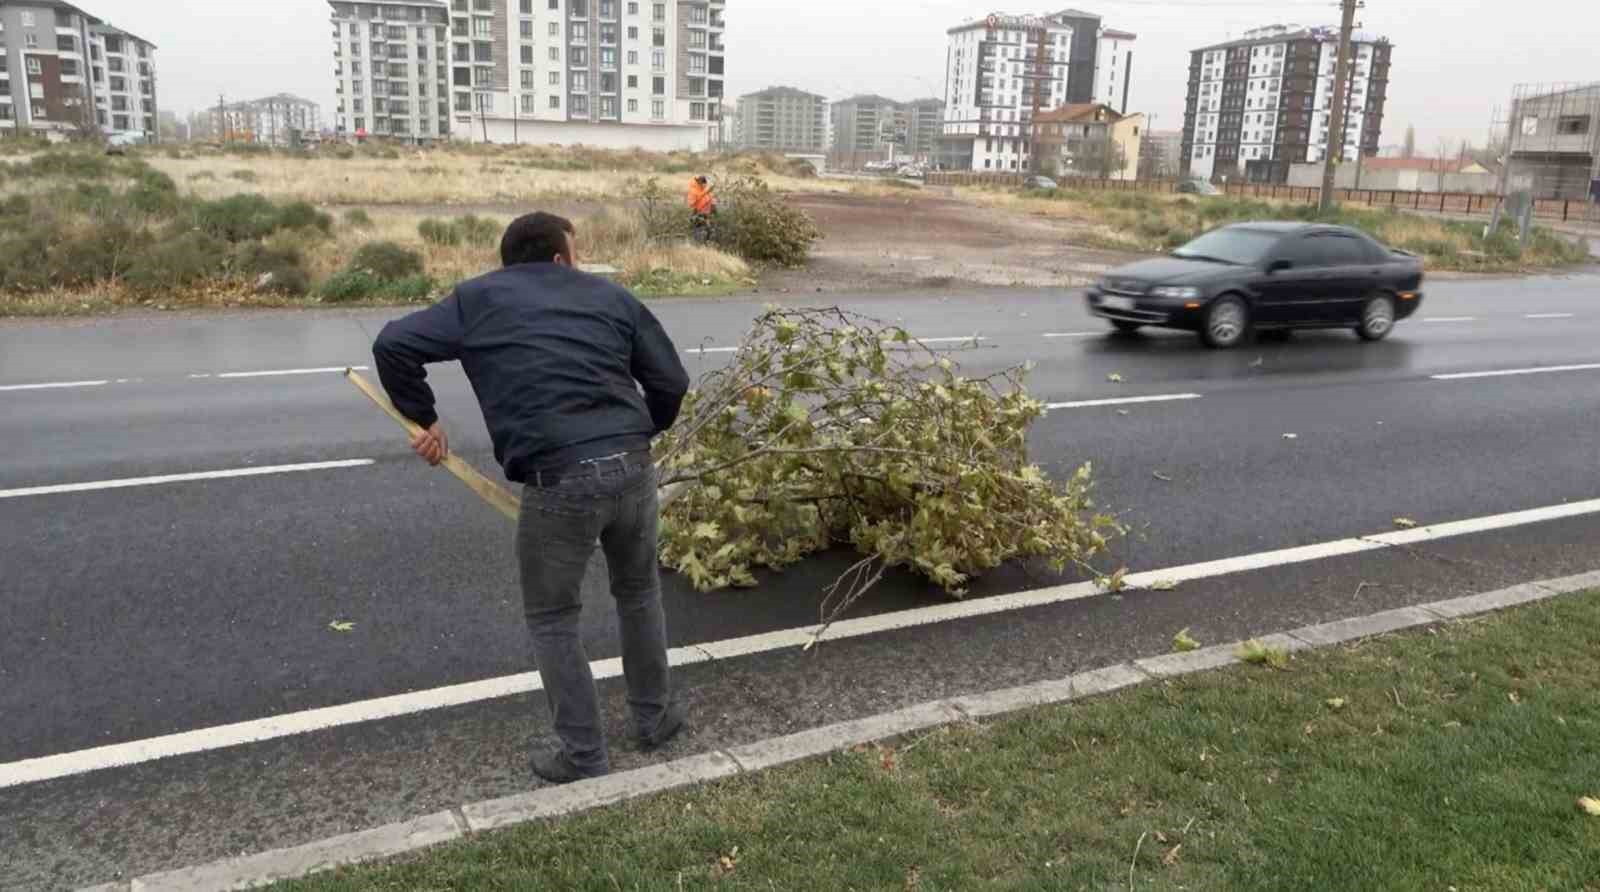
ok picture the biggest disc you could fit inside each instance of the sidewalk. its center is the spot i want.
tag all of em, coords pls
(1456, 753)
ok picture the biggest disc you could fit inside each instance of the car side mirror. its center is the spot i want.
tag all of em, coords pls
(1278, 266)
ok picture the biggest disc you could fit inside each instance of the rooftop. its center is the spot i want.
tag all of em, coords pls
(788, 92)
(1321, 33)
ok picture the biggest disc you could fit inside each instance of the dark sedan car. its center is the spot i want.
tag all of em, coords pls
(1259, 276)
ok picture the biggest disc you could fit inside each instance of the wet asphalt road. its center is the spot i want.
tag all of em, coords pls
(145, 611)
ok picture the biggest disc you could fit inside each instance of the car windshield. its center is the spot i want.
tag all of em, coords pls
(1237, 246)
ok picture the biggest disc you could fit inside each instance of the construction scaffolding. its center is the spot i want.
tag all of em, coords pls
(1550, 134)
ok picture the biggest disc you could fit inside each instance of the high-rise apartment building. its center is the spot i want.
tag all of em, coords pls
(1001, 69)
(1261, 103)
(620, 73)
(783, 119)
(279, 120)
(64, 71)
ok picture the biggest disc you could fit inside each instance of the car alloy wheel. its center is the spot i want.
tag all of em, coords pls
(1226, 323)
(1377, 318)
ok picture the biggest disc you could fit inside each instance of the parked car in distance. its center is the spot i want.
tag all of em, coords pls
(1197, 187)
(1038, 183)
(118, 144)
(1260, 276)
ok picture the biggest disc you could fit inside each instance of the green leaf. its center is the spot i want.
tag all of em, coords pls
(1182, 643)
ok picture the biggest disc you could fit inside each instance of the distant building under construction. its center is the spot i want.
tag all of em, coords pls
(1554, 135)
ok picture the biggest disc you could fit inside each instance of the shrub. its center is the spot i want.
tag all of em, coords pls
(439, 232)
(15, 212)
(21, 268)
(302, 215)
(358, 218)
(199, 175)
(154, 193)
(178, 262)
(757, 224)
(104, 250)
(344, 153)
(238, 218)
(478, 231)
(387, 261)
(72, 165)
(360, 284)
(349, 285)
(244, 176)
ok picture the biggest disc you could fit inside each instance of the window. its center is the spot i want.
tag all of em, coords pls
(527, 79)
(578, 57)
(580, 81)
(555, 29)
(33, 64)
(658, 37)
(527, 7)
(1573, 125)
(633, 57)
(578, 105)
(608, 57)
(483, 51)
(30, 40)
(658, 14)
(482, 76)
(697, 64)
(463, 102)
(482, 27)
(527, 30)
(658, 86)
(608, 107)
(608, 33)
(555, 54)
(633, 9)
(697, 111)
(528, 106)
(579, 32)
(658, 109)
(658, 59)
(555, 101)
(633, 82)
(555, 78)
(633, 32)
(633, 105)
(527, 55)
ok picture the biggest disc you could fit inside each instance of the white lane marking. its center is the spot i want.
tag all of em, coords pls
(1550, 315)
(1125, 401)
(1503, 373)
(703, 350)
(1451, 319)
(1073, 334)
(969, 339)
(124, 483)
(55, 385)
(284, 372)
(201, 740)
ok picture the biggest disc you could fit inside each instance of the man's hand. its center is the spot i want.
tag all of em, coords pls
(432, 444)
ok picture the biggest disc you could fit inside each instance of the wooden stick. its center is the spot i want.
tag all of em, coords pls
(500, 498)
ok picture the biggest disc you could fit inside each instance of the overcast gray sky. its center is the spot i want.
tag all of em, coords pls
(1454, 61)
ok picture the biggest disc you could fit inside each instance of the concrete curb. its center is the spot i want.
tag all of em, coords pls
(551, 802)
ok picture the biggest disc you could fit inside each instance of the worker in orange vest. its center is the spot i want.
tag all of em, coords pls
(702, 206)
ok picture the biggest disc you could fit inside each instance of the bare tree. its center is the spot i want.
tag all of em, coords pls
(1441, 159)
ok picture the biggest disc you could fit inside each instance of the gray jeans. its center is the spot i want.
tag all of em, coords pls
(616, 505)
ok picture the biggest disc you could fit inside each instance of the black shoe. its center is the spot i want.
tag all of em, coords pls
(672, 722)
(555, 767)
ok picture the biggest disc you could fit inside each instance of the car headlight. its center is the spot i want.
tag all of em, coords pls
(1175, 292)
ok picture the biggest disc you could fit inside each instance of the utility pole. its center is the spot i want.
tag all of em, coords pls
(1341, 78)
(222, 118)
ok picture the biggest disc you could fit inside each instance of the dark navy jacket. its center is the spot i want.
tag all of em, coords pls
(553, 355)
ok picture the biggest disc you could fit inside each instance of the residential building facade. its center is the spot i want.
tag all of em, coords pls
(783, 119)
(65, 72)
(1555, 142)
(1090, 139)
(1002, 69)
(1160, 154)
(1257, 105)
(611, 73)
(279, 120)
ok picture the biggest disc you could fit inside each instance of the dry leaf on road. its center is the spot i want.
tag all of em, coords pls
(1163, 585)
(1114, 378)
(1171, 857)
(1291, 436)
(1334, 702)
(1590, 805)
(1160, 476)
(340, 625)
(1181, 642)
(1404, 523)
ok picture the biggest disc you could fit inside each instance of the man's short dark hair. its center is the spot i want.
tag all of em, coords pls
(535, 238)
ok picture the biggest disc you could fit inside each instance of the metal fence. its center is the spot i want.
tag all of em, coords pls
(1464, 203)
